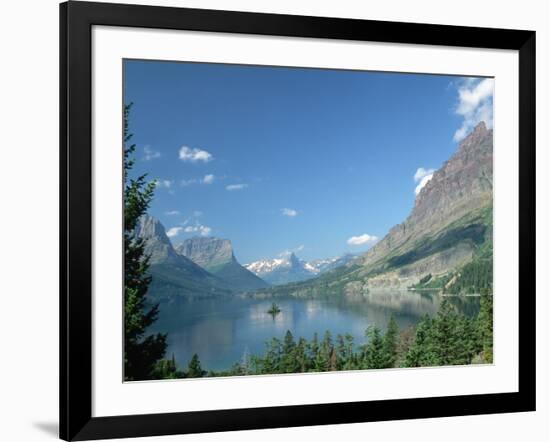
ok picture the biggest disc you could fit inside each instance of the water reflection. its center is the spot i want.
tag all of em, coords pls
(219, 330)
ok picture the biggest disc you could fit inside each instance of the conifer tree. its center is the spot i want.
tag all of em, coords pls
(288, 362)
(194, 369)
(445, 334)
(271, 362)
(485, 325)
(390, 343)
(166, 369)
(422, 352)
(313, 351)
(345, 352)
(302, 360)
(374, 354)
(141, 352)
(322, 360)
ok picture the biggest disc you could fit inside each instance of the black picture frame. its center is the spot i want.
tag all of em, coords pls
(76, 21)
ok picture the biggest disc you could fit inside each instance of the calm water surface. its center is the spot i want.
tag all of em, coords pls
(220, 331)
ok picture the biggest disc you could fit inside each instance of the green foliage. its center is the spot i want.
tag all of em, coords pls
(425, 279)
(485, 326)
(446, 339)
(374, 351)
(346, 359)
(435, 283)
(289, 364)
(322, 361)
(422, 352)
(473, 277)
(141, 352)
(166, 369)
(274, 310)
(474, 233)
(194, 369)
(389, 344)
(271, 361)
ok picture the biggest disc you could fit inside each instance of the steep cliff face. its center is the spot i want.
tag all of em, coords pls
(216, 255)
(207, 252)
(173, 275)
(463, 185)
(449, 226)
(157, 244)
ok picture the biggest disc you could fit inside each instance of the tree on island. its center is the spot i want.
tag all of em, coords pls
(141, 353)
(447, 338)
(274, 310)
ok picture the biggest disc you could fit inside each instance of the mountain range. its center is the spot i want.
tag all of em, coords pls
(196, 268)
(173, 274)
(289, 268)
(216, 256)
(449, 228)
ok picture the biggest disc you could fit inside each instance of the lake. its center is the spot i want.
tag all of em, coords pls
(220, 331)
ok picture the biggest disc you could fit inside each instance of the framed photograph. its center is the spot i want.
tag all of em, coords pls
(273, 220)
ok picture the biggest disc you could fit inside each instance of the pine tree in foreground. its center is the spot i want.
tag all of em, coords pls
(141, 352)
(389, 344)
(374, 352)
(485, 325)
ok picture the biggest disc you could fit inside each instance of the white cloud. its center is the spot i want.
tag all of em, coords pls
(185, 183)
(289, 212)
(232, 187)
(198, 228)
(205, 230)
(360, 240)
(173, 231)
(208, 179)
(422, 183)
(172, 212)
(197, 213)
(421, 177)
(475, 104)
(194, 155)
(164, 184)
(150, 154)
(421, 173)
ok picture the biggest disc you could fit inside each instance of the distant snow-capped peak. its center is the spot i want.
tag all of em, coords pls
(267, 265)
(315, 267)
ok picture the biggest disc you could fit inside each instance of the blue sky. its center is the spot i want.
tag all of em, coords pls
(320, 162)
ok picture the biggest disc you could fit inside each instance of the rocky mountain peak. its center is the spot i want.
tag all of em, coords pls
(468, 172)
(289, 268)
(208, 252)
(157, 243)
(148, 227)
(479, 131)
(216, 256)
(293, 260)
(463, 184)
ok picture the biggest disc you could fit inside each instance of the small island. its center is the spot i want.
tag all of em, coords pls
(274, 310)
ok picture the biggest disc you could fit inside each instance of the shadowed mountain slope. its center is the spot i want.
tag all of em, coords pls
(216, 256)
